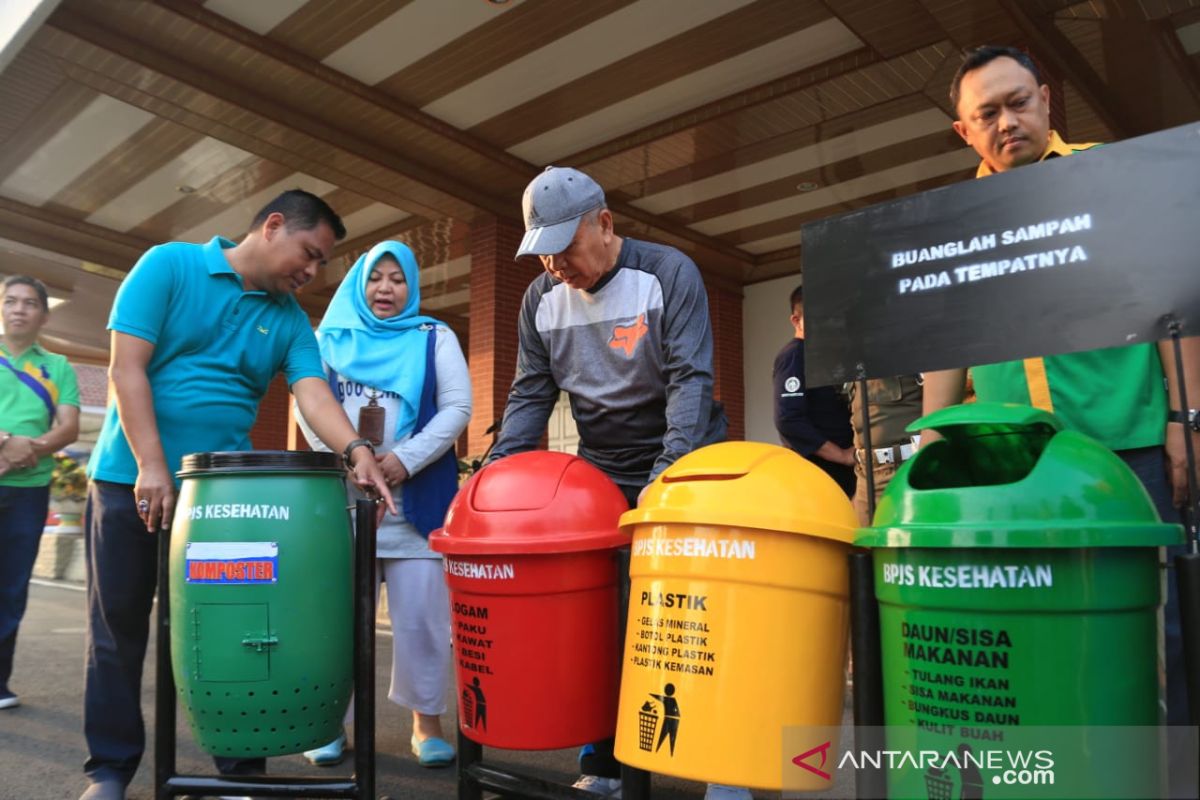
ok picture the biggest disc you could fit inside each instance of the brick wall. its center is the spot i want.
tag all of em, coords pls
(270, 431)
(497, 285)
(725, 311)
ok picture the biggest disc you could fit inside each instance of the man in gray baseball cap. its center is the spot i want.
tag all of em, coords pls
(622, 327)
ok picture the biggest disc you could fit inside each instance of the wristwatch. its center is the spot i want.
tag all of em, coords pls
(1191, 418)
(354, 445)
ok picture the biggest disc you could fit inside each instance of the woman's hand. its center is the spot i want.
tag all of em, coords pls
(393, 470)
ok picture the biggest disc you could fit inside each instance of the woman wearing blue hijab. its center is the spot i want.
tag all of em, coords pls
(378, 353)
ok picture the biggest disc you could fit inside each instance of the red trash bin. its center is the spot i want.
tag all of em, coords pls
(529, 547)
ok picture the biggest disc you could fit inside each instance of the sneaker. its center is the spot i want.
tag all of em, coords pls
(329, 755)
(717, 791)
(8, 699)
(601, 787)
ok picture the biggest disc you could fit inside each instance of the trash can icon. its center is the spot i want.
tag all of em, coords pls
(647, 726)
(730, 543)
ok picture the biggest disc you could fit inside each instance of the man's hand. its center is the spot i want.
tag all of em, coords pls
(1176, 449)
(155, 496)
(20, 453)
(393, 469)
(5, 466)
(835, 454)
(369, 477)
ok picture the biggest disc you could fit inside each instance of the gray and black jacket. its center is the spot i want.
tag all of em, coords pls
(634, 353)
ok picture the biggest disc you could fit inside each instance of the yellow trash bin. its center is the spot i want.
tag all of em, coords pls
(738, 614)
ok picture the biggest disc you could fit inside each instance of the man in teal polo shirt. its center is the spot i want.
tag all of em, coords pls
(198, 332)
(39, 414)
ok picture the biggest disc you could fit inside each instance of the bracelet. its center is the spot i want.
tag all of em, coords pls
(354, 445)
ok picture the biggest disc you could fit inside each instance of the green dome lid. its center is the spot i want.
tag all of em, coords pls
(1007, 475)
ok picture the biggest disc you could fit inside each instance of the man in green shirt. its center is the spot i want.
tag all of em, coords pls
(1118, 395)
(39, 414)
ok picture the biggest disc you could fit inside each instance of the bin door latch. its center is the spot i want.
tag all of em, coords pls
(260, 643)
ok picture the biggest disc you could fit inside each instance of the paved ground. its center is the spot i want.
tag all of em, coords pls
(41, 742)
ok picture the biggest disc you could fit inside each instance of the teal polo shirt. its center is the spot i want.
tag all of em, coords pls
(24, 413)
(216, 349)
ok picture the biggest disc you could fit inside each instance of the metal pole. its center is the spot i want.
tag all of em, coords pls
(868, 671)
(1193, 498)
(164, 679)
(470, 754)
(868, 464)
(364, 648)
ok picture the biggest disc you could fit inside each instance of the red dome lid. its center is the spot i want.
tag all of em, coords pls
(535, 502)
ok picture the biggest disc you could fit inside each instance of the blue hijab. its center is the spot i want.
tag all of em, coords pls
(387, 354)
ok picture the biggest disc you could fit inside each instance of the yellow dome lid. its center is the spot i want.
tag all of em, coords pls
(748, 485)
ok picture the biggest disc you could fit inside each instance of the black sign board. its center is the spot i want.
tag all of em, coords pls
(1098, 249)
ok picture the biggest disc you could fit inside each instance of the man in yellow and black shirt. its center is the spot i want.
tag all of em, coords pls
(1120, 395)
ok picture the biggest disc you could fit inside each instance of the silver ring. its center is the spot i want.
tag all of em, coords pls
(143, 506)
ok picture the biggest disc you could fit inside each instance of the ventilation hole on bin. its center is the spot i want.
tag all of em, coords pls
(250, 694)
(283, 711)
(262, 711)
(304, 708)
(264, 749)
(275, 692)
(274, 730)
(243, 713)
(220, 713)
(296, 691)
(208, 693)
(291, 727)
(256, 730)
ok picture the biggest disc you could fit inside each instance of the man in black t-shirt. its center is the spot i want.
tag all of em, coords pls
(813, 421)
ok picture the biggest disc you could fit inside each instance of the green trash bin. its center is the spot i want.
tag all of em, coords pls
(261, 591)
(1017, 574)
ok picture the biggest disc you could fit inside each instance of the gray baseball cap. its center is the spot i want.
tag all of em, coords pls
(553, 204)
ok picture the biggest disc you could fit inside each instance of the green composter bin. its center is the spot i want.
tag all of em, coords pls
(261, 601)
(1017, 573)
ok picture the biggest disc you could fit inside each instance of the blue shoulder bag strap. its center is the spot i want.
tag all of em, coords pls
(427, 494)
(41, 391)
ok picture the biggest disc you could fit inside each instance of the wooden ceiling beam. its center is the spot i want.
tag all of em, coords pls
(199, 15)
(48, 230)
(120, 49)
(1055, 50)
(453, 196)
(740, 101)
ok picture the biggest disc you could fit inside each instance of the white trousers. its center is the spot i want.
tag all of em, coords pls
(419, 608)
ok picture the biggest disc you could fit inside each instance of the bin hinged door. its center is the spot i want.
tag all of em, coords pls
(232, 642)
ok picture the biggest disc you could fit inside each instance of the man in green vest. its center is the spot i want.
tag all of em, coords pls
(1125, 397)
(39, 415)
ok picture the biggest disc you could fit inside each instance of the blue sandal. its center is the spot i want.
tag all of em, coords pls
(432, 752)
(329, 755)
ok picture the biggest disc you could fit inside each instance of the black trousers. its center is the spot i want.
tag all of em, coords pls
(122, 572)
